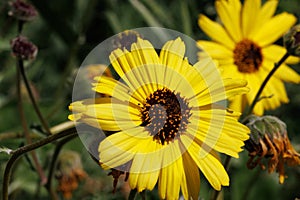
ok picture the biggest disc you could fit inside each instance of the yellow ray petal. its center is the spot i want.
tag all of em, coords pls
(275, 52)
(108, 125)
(116, 89)
(171, 55)
(190, 185)
(215, 31)
(122, 66)
(238, 103)
(265, 14)
(217, 129)
(170, 175)
(209, 165)
(284, 72)
(229, 12)
(120, 148)
(215, 50)
(254, 82)
(222, 90)
(273, 29)
(249, 15)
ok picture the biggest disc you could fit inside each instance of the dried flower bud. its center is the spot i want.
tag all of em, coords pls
(69, 172)
(125, 39)
(22, 48)
(269, 140)
(292, 41)
(22, 11)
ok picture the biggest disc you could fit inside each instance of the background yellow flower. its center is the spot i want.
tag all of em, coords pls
(243, 46)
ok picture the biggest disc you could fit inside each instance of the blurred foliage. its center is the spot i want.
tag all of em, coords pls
(65, 31)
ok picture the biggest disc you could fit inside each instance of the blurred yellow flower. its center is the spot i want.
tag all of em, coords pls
(243, 46)
(166, 119)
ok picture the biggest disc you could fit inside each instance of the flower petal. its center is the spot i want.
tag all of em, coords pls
(190, 185)
(170, 180)
(249, 15)
(215, 50)
(208, 163)
(273, 29)
(284, 72)
(275, 52)
(116, 89)
(229, 12)
(215, 31)
(218, 129)
(120, 148)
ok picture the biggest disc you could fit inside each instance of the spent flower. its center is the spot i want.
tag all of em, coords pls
(23, 48)
(69, 172)
(22, 11)
(269, 141)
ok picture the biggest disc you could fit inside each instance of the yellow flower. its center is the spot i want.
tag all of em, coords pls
(243, 47)
(167, 118)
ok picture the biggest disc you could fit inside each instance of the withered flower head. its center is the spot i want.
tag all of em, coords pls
(269, 141)
(292, 41)
(22, 10)
(69, 172)
(125, 39)
(23, 48)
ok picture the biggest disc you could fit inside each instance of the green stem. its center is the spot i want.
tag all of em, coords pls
(257, 97)
(36, 108)
(57, 150)
(24, 124)
(22, 150)
(132, 194)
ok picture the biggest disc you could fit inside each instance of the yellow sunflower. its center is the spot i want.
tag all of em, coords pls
(243, 46)
(167, 117)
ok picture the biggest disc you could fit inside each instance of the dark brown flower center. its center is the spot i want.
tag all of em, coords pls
(165, 115)
(247, 56)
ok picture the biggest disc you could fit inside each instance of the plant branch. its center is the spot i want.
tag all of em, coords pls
(24, 124)
(22, 150)
(257, 97)
(35, 106)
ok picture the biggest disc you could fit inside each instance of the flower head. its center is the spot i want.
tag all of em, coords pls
(269, 140)
(23, 48)
(166, 119)
(243, 46)
(22, 10)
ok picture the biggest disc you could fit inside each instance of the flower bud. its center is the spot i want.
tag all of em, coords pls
(22, 48)
(292, 41)
(269, 140)
(22, 11)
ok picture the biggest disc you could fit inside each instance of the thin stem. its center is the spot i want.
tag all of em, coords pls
(22, 150)
(36, 108)
(132, 194)
(24, 125)
(257, 97)
(57, 150)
